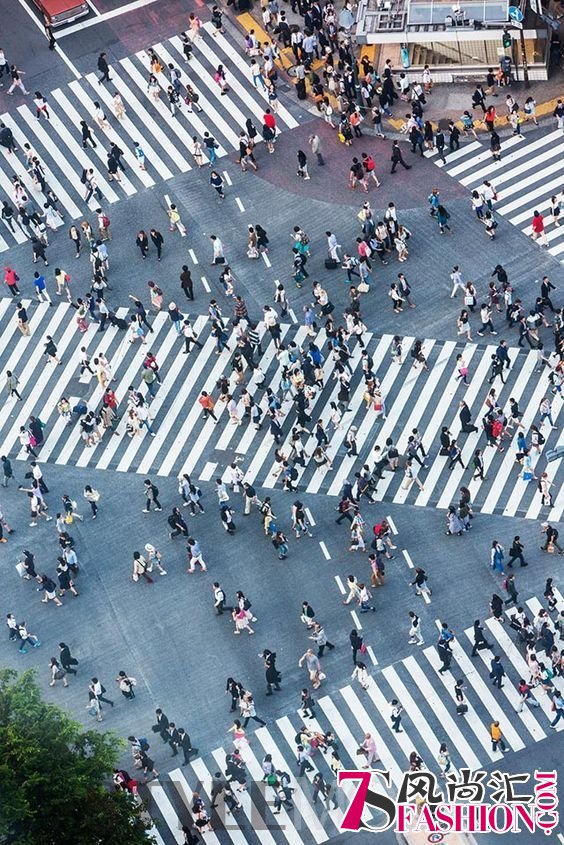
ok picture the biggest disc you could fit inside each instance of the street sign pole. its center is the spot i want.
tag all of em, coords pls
(524, 59)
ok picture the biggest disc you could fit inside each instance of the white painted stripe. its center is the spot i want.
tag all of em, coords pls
(208, 471)
(74, 437)
(240, 204)
(412, 710)
(531, 412)
(266, 259)
(481, 157)
(538, 176)
(340, 584)
(169, 377)
(56, 155)
(492, 705)
(362, 715)
(323, 547)
(188, 427)
(392, 525)
(407, 557)
(179, 133)
(471, 717)
(53, 182)
(227, 178)
(356, 403)
(456, 476)
(356, 620)
(513, 654)
(238, 837)
(183, 790)
(178, 407)
(430, 696)
(309, 516)
(464, 150)
(303, 805)
(192, 255)
(78, 152)
(509, 169)
(372, 656)
(148, 123)
(433, 378)
(32, 191)
(406, 744)
(284, 823)
(72, 113)
(113, 136)
(267, 444)
(68, 372)
(4, 307)
(517, 390)
(206, 285)
(236, 60)
(36, 361)
(292, 315)
(131, 375)
(204, 778)
(535, 606)
(509, 691)
(432, 477)
(209, 106)
(10, 330)
(167, 810)
(543, 190)
(7, 187)
(25, 344)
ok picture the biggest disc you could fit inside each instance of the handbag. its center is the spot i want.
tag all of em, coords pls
(469, 299)
(68, 519)
(60, 674)
(20, 569)
(363, 287)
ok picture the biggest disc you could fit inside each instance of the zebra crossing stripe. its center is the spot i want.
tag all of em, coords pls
(464, 150)
(236, 60)
(486, 155)
(471, 718)
(100, 152)
(487, 699)
(207, 104)
(30, 373)
(302, 803)
(131, 376)
(47, 144)
(113, 136)
(356, 402)
(423, 398)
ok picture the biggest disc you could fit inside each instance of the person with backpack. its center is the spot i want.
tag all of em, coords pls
(152, 496)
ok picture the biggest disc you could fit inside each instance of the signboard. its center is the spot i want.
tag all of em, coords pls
(515, 14)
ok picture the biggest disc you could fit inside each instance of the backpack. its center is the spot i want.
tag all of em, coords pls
(143, 744)
(293, 473)
(83, 176)
(105, 221)
(369, 163)
(304, 238)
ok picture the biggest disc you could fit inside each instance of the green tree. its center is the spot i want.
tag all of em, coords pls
(54, 774)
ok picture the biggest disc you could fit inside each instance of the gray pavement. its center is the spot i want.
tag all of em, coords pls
(166, 634)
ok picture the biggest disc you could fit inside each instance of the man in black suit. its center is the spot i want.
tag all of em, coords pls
(173, 738)
(161, 727)
(186, 746)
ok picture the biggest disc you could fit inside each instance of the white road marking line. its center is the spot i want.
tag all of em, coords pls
(340, 584)
(208, 471)
(392, 525)
(356, 620)
(192, 255)
(325, 551)
(206, 285)
(309, 516)
(372, 656)
(407, 557)
(292, 315)
(227, 178)
(266, 259)
(240, 204)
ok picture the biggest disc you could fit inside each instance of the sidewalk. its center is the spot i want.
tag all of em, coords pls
(447, 101)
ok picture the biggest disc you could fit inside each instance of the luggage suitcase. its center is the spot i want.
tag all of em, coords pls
(461, 709)
(331, 263)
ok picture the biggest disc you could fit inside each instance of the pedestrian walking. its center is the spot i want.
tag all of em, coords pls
(496, 736)
(104, 68)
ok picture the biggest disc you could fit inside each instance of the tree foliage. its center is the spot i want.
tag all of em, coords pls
(54, 775)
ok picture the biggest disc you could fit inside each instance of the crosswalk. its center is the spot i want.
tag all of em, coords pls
(429, 718)
(166, 140)
(529, 174)
(185, 443)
